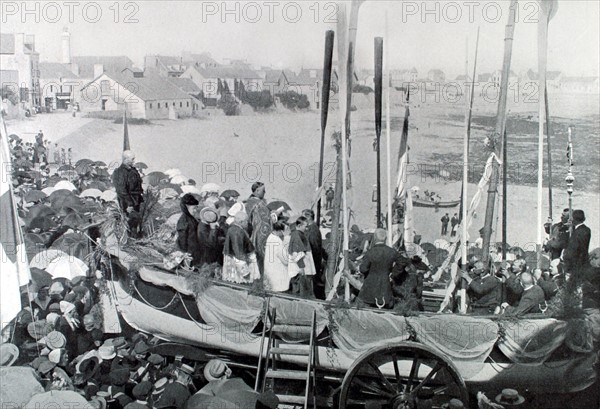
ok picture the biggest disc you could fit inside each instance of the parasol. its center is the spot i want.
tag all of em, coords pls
(154, 178)
(72, 202)
(18, 384)
(273, 206)
(48, 190)
(64, 184)
(44, 257)
(34, 196)
(43, 223)
(34, 243)
(41, 278)
(90, 192)
(99, 164)
(210, 187)
(228, 194)
(58, 400)
(141, 165)
(40, 210)
(64, 168)
(179, 180)
(83, 168)
(100, 173)
(68, 268)
(57, 193)
(80, 161)
(172, 172)
(74, 244)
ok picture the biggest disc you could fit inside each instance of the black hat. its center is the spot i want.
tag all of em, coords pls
(142, 390)
(189, 200)
(89, 367)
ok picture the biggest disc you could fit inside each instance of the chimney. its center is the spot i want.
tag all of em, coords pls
(98, 70)
(66, 46)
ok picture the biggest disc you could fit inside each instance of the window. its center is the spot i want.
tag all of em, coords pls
(159, 105)
(181, 105)
(188, 104)
(51, 88)
(150, 105)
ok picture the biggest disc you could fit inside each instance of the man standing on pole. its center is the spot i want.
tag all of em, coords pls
(128, 184)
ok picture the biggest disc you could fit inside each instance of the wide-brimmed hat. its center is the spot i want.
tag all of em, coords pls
(159, 386)
(509, 397)
(107, 352)
(38, 329)
(55, 340)
(119, 343)
(215, 369)
(9, 353)
(88, 368)
(209, 215)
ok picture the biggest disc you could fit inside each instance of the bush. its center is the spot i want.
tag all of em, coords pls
(229, 105)
(293, 100)
(259, 100)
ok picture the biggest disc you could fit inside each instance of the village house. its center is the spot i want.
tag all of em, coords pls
(436, 76)
(148, 97)
(580, 85)
(276, 81)
(59, 85)
(165, 66)
(88, 67)
(401, 77)
(553, 80)
(19, 69)
(207, 79)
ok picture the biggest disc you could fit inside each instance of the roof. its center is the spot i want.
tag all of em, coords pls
(186, 85)
(463, 78)
(580, 79)
(110, 64)
(550, 75)
(272, 76)
(147, 88)
(53, 70)
(7, 43)
(436, 71)
(228, 71)
(484, 77)
(203, 58)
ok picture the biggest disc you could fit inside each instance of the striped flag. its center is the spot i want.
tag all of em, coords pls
(15, 268)
(125, 132)
(403, 154)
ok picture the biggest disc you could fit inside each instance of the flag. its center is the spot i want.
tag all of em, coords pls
(403, 153)
(15, 268)
(126, 146)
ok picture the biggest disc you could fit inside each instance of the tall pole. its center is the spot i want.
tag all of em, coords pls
(549, 150)
(463, 239)
(388, 134)
(499, 133)
(504, 193)
(378, 106)
(570, 179)
(326, 88)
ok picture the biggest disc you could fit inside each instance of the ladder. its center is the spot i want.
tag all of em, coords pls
(276, 349)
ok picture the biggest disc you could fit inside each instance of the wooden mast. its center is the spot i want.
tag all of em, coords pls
(499, 133)
(378, 107)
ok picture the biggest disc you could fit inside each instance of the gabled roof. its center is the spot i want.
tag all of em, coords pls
(436, 71)
(186, 85)
(484, 77)
(7, 43)
(550, 75)
(147, 88)
(273, 76)
(54, 70)
(110, 64)
(202, 58)
(228, 72)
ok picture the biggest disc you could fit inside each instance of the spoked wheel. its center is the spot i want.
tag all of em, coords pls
(404, 376)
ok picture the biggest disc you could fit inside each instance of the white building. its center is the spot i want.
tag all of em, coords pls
(19, 68)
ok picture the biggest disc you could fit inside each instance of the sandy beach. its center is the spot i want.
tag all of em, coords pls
(282, 150)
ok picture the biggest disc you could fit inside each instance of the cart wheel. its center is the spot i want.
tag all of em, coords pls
(404, 376)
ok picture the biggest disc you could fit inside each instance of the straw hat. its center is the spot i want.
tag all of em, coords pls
(509, 397)
(38, 329)
(209, 215)
(107, 352)
(55, 340)
(9, 353)
(216, 369)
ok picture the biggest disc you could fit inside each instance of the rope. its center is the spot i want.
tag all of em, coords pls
(153, 306)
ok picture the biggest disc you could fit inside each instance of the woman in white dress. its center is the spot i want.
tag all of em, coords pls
(276, 277)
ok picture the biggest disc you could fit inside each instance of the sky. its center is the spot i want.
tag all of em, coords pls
(424, 35)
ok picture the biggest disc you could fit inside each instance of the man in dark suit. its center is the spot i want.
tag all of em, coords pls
(128, 184)
(484, 289)
(379, 264)
(576, 256)
(313, 234)
(558, 236)
(531, 300)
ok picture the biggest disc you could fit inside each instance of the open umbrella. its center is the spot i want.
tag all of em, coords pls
(64, 184)
(40, 210)
(277, 204)
(64, 168)
(228, 194)
(172, 172)
(18, 384)
(91, 193)
(34, 243)
(99, 164)
(190, 189)
(154, 178)
(179, 180)
(109, 196)
(48, 191)
(58, 193)
(97, 184)
(44, 257)
(210, 187)
(14, 137)
(34, 196)
(83, 168)
(58, 400)
(67, 201)
(101, 173)
(81, 161)
(41, 278)
(43, 223)
(74, 244)
(141, 165)
(69, 174)
(68, 268)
